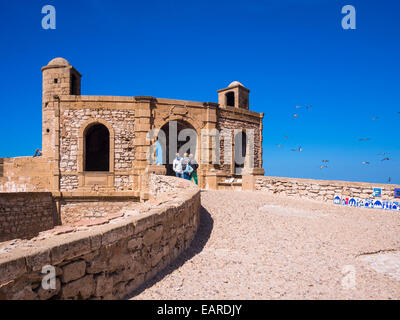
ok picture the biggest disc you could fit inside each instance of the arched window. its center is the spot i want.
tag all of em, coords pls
(240, 151)
(230, 99)
(97, 148)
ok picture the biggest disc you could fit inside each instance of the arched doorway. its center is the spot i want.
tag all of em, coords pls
(240, 151)
(97, 148)
(175, 136)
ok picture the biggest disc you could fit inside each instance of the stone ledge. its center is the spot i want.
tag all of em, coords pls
(97, 195)
(330, 182)
(19, 194)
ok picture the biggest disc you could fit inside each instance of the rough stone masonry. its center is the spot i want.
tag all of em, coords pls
(25, 214)
(99, 145)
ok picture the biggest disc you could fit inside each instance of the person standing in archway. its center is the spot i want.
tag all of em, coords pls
(193, 163)
(186, 168)
(188, 172)
(177, 166)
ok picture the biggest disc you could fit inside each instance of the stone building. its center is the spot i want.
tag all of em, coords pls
(99, 145)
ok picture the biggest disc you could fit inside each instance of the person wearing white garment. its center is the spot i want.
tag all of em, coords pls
(177, 166)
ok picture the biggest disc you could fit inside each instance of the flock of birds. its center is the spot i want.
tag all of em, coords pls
(325, 162)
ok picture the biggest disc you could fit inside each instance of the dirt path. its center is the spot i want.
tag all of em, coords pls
(257, 246)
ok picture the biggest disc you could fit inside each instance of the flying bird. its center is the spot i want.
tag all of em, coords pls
(295, 116)
(385, 159)
(365, 162)
(364, 139)
(321, 167)
(383, 154)
(325, 161)
(299, 149)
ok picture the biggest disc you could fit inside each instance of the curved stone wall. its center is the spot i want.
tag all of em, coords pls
(107, 261)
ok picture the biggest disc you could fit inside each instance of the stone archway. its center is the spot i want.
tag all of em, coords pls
(172, 138)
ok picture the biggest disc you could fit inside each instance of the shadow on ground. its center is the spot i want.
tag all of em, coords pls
(197, 245)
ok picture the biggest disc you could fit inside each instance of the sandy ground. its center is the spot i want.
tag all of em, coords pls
(252, 245)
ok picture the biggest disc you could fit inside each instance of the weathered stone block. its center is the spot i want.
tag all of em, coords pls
(135, 243)
(82, 288)
(104, 285)
(70, 250)
(157, 258)
(38, 260)
(116, 234)
(73, 271)
(12, 269)
(44, 294)
(152, 235)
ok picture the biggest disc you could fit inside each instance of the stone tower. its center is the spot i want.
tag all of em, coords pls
(235, 95)
(59, 78)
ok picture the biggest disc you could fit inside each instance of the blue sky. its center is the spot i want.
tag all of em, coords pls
(286, 52)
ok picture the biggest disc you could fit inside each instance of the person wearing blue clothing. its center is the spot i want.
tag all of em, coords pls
(193, 163)
(38, 153)
(188, 171)
(186, 167)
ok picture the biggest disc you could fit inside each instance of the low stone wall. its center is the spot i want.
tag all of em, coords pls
(25, 174)
(25, 214)
(107, 261)
(160, 185)
(321, 190)
(73, 211)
